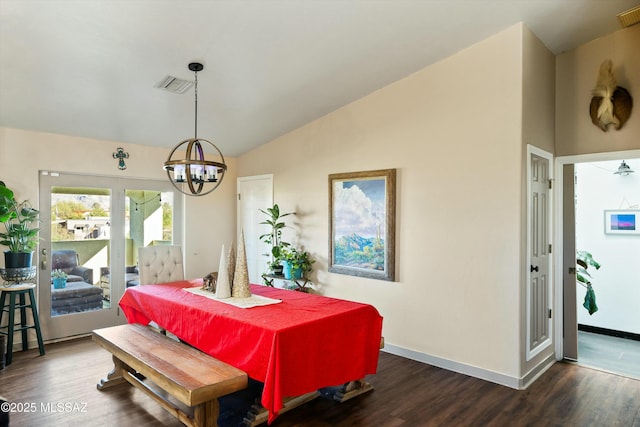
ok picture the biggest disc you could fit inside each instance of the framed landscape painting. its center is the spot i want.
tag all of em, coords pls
(625, 221)
(362, 212)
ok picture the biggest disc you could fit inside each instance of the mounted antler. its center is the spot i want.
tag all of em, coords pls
(611, 104)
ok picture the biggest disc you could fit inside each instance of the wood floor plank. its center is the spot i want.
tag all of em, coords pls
(407, 394)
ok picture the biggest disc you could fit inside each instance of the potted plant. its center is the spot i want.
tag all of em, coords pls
(297, 263)
(274, 237)
(585, 260)
(20, 231)
(59, 279)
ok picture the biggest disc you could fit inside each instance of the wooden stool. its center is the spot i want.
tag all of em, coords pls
(19, 290)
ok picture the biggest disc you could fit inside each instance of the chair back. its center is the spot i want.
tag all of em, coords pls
(160, 264)
(64, 259)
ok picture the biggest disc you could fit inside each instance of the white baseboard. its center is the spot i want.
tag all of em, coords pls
(537, 371)
(473, 371)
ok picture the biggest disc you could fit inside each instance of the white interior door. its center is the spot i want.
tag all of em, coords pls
(254, 193)
(538, 284)
(570, 315)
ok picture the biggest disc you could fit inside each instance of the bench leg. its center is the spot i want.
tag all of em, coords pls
(206, 414)
(115, 376)
(351, 390)
(346, 391)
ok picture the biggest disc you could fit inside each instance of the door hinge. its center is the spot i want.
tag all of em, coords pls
(549, 247)
(572, 270)
(549, 313)
(238, 196)
(550, 184)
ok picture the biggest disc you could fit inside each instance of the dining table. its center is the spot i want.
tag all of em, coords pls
(293, 342)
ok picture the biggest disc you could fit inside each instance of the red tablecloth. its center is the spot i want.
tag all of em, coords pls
(304, 343)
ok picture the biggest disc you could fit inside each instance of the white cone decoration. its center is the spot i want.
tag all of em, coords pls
(241, 274)
(231, 266)
(223, 287)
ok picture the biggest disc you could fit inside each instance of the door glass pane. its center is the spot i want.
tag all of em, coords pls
(148, 222)
(80, 240)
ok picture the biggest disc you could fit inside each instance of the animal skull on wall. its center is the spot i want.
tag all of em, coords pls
(611, 104)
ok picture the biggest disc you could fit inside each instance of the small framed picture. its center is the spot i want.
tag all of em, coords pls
(625, 221)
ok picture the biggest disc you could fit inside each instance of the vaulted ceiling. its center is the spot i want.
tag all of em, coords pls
(89, 68)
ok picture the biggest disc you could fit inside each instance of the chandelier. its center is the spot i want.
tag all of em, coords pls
(201, 176)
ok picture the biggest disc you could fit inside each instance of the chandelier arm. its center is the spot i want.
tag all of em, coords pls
(188, 169)
(190, 176)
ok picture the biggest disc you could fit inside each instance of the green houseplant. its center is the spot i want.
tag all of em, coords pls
(297, 263)
(274, 237)
(59, 279)
(20, 229)
(584, 260)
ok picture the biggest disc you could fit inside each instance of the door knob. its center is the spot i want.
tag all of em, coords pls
(534, 268)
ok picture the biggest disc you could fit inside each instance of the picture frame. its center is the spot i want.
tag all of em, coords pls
(622, 221)
(362, 213)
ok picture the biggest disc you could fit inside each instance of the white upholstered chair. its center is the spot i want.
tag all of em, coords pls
(160, 264)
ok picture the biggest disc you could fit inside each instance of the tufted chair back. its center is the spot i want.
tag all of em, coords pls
(160, 264)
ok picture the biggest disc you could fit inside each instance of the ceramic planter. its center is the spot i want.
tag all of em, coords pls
(18, 259)
(277, 270)
(59, 282)
(291, 273)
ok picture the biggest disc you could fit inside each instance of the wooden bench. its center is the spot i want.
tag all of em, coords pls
(185, 373)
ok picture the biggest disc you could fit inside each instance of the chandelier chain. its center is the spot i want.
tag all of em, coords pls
(195, 132)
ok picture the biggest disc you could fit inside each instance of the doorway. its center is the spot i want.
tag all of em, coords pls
(591, 193)
(254, 193)
(607, 200)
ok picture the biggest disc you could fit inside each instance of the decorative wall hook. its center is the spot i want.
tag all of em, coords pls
(121, 155)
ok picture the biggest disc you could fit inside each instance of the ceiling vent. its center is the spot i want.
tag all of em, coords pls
(174, 84)
(629, 17)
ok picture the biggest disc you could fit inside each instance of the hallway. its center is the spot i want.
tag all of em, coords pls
(611, 354)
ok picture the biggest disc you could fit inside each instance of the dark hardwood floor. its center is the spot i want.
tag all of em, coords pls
(61, 389)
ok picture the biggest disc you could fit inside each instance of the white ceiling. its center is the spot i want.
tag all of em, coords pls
(88, 67)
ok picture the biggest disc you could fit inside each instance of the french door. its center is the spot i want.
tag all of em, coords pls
(91, 229)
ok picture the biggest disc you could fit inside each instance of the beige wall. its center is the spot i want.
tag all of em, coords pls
(576, 76)
(210, 219)
(453, 131)
(538, 123)
(538, 87)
